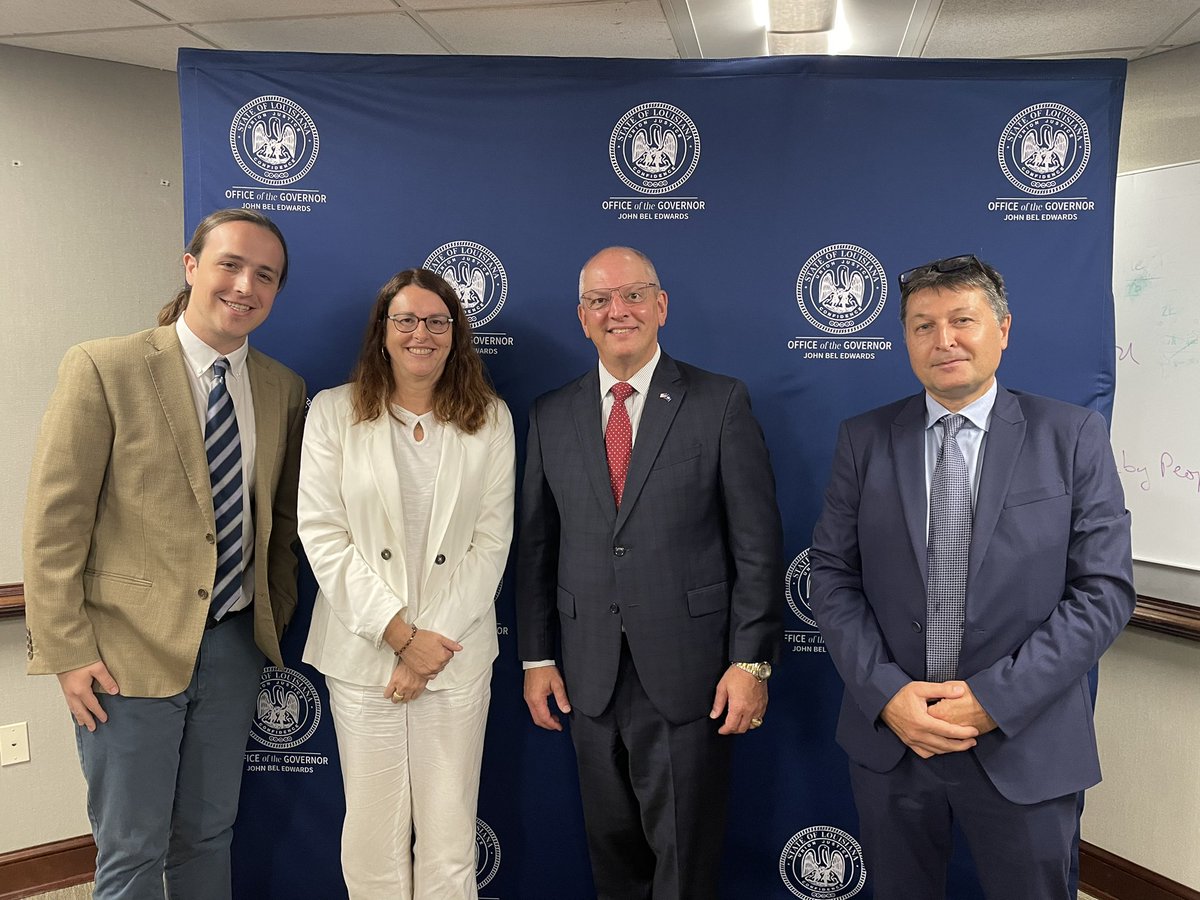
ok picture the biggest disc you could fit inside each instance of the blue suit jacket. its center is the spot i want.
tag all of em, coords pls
(1049, 584)
(691, 564)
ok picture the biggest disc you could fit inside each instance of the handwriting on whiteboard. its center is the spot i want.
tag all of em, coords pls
(1168, 471)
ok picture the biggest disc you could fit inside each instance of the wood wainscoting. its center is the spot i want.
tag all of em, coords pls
(1107, 876)
(47, 867)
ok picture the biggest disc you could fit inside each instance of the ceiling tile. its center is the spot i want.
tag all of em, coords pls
(1188, 34)
(1103, 53)
(220, 10)
(386, 33)
(617, 29)
(38, 16)
(1002, 28)
(152, 47)
(421, 5)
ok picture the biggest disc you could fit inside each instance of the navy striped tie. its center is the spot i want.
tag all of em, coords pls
(223, 445)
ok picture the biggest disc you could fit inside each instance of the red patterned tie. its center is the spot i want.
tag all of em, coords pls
(618, 439)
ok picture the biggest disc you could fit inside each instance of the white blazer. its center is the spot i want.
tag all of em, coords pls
(351, 523)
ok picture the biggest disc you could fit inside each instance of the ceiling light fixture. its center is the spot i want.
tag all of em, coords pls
(807, 27)
(793, 16)
(794, 44)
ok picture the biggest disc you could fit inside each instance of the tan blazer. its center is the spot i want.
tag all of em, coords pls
(119, 545)
(352, 527)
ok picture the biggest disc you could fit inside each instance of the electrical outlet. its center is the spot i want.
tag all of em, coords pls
(14, 744)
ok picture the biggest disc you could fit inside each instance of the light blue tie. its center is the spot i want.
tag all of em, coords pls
(223, 445)
(948, 553)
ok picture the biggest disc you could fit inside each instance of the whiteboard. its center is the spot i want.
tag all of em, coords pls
(1156, 416)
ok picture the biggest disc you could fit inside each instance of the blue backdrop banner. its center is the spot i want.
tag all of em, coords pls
(778, 198)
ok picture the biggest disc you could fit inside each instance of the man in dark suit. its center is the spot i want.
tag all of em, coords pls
(970, 566)
(650, 564)
(159, 566)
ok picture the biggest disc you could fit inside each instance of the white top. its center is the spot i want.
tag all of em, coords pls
(417, 465)
(200, 358)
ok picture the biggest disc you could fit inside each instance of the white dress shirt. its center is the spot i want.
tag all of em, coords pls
(640, 382)
(200, 358)
(971, 439)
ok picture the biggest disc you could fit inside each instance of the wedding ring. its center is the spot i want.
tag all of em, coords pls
(397, 697)
(755, 722)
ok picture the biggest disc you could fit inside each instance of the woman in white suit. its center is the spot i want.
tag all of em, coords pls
(406, 514)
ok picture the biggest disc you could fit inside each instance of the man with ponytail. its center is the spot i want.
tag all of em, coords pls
(159, 560)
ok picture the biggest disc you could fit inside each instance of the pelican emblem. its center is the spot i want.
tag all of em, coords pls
(273, 142)
(843, 295)
(468, 282)
(823, 867)
(278, 708)
(655, 152)
(1044, 153)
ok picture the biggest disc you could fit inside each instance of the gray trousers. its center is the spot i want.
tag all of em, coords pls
(164, 775)
(655, 797)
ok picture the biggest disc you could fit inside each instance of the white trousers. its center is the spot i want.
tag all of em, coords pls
(410, 768)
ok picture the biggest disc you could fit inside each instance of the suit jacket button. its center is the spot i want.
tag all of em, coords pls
(613, 608)
(386, 553)
(916, 626)
(210, 538)
(202, 594)
(439, 559)
(618, 551)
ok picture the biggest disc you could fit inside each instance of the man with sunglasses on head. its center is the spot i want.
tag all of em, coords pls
(970, 566)
(649, 565)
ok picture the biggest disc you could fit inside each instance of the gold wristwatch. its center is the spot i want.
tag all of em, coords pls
(760, 670)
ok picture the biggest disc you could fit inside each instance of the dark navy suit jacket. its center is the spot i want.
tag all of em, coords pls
(1049, 584)
(691, 565)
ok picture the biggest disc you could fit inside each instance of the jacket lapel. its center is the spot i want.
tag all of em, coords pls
(169, 373)
(1006, 434)
(381, 457)
(585, 409)
(269, 428)
(657, 416)
(908, 460)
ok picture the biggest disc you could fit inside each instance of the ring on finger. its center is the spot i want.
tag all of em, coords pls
(756, 722)
(397, 697)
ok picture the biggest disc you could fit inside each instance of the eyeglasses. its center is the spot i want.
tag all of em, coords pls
(946, 266)
(406, 323)
(631, 295)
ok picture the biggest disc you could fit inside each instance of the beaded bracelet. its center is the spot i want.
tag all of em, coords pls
(408, 642)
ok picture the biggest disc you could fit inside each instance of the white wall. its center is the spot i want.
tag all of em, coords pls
(1147, 809)
(89, 243)
(90, 239)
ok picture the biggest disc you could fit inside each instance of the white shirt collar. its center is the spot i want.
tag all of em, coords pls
(200, 357)
(640, 381)
(977, 412)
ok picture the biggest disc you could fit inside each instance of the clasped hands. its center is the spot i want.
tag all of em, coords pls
(934, 718)
(425, 654)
